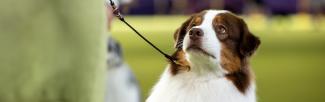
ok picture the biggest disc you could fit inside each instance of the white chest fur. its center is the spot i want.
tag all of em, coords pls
(190, 87)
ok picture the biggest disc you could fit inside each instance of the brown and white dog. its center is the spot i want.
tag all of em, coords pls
(213, 47)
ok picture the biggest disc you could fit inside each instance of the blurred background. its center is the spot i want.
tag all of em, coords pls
(288, 64)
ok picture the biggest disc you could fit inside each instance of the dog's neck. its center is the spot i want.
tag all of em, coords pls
(201, 65)
(196, 63)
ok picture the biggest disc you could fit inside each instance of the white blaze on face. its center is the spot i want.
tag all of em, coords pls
(210, 43)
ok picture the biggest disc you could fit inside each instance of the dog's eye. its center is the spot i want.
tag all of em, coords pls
(221, 29)
(222, 32)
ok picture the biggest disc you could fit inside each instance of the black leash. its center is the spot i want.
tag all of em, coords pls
(117, 13)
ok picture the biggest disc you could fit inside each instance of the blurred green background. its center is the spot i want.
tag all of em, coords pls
(289, 64)
(52, 50)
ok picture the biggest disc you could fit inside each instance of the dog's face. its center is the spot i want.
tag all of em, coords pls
(215, 38)
(114, 53)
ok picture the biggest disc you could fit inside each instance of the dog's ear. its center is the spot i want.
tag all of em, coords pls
(181, 32)
(248, 42)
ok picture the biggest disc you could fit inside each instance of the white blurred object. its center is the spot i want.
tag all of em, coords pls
(121, 83)
(119, 2)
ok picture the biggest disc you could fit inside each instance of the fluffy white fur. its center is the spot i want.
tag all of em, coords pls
(206, 81)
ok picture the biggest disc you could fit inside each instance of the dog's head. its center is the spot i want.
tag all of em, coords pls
(114, 53)
(215, 39)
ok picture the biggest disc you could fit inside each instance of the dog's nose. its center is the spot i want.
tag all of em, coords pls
(195, 33)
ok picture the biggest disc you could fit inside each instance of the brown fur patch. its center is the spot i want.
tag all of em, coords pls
(241, 78)
(181, 65)
(229, 60)
(234, 57)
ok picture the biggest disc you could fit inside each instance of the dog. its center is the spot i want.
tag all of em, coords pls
(213, 49)
(121, 83)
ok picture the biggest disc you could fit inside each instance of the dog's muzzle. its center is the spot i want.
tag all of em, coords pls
(196, 33)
